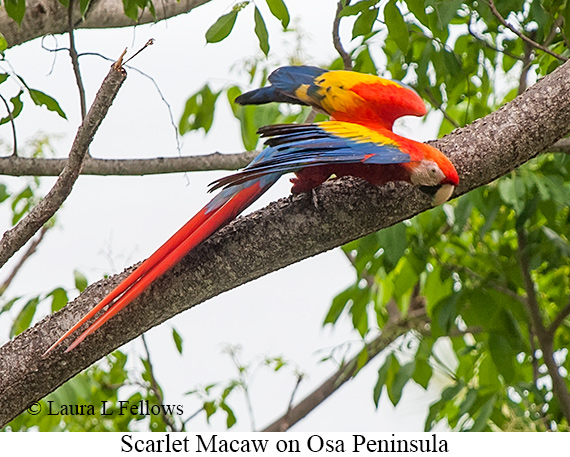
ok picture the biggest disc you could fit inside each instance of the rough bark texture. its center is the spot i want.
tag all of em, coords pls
(45, 17)
(285, 232)
(31, 166)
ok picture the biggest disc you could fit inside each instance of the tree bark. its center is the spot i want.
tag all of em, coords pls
(283, 233)
(45, 17)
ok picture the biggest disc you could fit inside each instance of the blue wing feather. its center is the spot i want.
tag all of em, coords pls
(296, 146)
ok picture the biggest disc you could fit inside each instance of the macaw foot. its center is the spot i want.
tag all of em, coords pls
(315, 199)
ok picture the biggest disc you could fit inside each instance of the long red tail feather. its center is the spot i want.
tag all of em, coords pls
(200, 227)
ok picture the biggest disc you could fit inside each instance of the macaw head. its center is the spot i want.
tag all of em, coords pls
(435, 175)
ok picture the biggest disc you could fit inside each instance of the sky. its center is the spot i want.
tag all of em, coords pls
(109, 223)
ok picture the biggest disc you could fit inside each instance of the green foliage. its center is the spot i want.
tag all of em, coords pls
(280, 11)
(261, 32)
(464, 260)
(222, 27)
(16, 9)
(199, 111)
(132, 8)
(109, 405)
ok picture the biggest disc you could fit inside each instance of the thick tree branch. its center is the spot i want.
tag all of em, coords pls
(45, 17)
(16, 237)
(283, 233)
(23, 166)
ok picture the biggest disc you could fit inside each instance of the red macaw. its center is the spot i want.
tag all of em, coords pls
(358, 142)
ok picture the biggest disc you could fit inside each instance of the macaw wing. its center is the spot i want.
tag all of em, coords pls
(296, 146)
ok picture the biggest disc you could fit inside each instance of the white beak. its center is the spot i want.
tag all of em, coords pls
(443, 194)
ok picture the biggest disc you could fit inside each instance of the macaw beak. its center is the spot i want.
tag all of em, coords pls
(439, 194)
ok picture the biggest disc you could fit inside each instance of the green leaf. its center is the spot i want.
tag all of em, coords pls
(364, 23)
(18, 105)
(80, 281)
(401, 377)
(338, 304)
(393, 241)
(177, 340)
(199, 111)
(210, 408)
(83, 7)
(503, 355)
(418, 9)
(41, 99)
(231, 418)
(131, 9)
(382, 377)
(485, 412)
(423, 372)
(59, 299)
(25, 316)
(280, 11)
(397, 28)
(353, 10)
(261, 32)
(3, 44)
(3, 77)
(3, 193)
(222, 27)
(16, 9)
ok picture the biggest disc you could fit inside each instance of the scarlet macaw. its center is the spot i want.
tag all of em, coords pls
(358, 142)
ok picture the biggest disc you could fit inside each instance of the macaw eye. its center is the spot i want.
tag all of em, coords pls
(433, 171)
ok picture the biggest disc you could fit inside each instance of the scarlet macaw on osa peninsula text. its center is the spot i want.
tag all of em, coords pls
(357, 141)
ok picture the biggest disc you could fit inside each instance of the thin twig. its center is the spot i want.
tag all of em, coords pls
(29, 252)
(150, 42)
(146, 75)
(156, 388)
(345, 56)
(16, 237)
(527, 63)
(11, 116)
(75, 61)
(487, 44)
(31, 166)
(521, 35)
(440, 107)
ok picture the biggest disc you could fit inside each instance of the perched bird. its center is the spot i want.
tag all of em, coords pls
(358, 142)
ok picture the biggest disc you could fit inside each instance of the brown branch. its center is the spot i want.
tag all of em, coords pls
(283, 233)
(345, 56)
(545, 339)
(558, 320)
(11, 116)
(440, 107)
(390, 332)
(157, 390)
(75, 61)
(24, 166)
(16, 237)
(528, 58)
(487, 44)
(521, 35)
(45, 17)
(29, 252)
